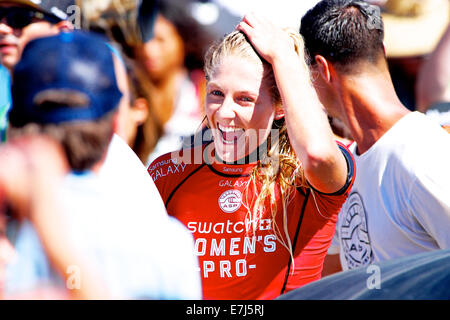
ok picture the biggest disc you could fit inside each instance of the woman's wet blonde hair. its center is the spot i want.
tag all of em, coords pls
(279, 171)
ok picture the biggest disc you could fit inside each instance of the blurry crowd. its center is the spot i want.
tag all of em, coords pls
(82, 199)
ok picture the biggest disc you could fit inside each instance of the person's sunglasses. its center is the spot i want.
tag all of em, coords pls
(19, 18)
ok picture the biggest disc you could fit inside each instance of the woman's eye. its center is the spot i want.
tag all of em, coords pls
(216, 93)
(246, 99)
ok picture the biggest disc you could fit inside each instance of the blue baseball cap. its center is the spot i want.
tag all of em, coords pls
(64, 78)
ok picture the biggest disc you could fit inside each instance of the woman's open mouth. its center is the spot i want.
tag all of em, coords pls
(230, 135)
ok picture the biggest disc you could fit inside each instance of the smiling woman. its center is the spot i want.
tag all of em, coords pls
(262, 200)
(234, 92)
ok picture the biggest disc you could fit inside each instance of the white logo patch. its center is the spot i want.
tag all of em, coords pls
(230, 200)
(354, 233)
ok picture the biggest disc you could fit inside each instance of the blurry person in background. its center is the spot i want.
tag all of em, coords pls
(433, 83)
(166, 64)
(139, 111)
(173, 60)
(412, 31)
(20, 22)
(127, 25)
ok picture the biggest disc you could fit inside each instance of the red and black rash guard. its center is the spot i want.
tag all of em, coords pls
(239, 260)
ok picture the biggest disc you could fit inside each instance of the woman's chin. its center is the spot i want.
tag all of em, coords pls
(226, 156)
(230, 151)
(227, 152)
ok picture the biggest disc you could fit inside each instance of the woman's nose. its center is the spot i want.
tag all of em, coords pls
(226, 109)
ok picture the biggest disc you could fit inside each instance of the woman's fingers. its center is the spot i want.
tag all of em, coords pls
(245, 28)
(251, 19)
(260, 33)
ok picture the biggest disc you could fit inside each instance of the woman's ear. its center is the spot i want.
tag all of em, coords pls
(323, 67)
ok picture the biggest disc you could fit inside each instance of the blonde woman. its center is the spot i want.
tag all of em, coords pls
(262, 199)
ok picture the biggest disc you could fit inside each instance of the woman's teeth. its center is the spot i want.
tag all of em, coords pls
(230, 134)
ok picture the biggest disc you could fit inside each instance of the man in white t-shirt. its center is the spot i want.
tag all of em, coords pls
(400, 201)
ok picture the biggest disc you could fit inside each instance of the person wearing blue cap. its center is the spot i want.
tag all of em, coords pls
(76, 102)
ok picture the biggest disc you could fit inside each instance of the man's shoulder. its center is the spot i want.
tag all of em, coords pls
(415, 148)
(416, 124)
(412, 137)
(422, 141)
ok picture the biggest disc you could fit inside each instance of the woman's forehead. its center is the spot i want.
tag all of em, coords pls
(237, 69)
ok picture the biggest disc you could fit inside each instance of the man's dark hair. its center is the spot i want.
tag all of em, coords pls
(343, 32)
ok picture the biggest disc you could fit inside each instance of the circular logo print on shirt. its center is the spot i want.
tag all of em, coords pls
(354, 234)
(230, 200)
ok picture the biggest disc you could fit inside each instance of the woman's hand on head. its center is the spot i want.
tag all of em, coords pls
(269, 40)
(309, 132)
